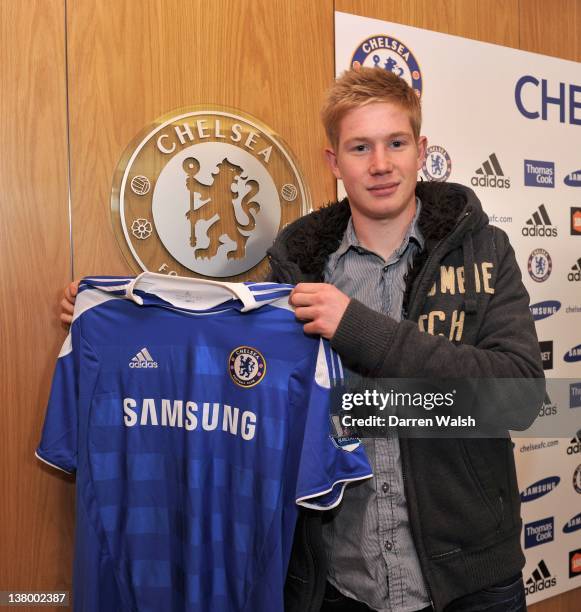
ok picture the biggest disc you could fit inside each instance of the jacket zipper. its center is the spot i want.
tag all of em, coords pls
(422, 561)
(458, 223)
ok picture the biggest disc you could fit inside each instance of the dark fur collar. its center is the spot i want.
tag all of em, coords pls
(302, 249)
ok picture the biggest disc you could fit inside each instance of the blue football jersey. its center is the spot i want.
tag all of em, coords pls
(195, 414)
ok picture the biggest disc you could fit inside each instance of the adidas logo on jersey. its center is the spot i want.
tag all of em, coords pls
(490, 175)
(143, 359)
(575, 445)
(575, 274)
(540, 224)
(540, 579)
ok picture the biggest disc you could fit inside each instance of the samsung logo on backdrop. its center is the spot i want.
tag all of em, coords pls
(539, 488)
(573, 354)
(542, 310)
(573, 179)
(573, 524)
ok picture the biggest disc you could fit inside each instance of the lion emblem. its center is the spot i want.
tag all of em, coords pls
(221, 212)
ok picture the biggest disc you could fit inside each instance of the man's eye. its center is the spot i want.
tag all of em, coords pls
(360, 147)
(396, 144)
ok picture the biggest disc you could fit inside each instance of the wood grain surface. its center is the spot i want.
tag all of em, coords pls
(132, 62)
(493, 21)
(36, 506)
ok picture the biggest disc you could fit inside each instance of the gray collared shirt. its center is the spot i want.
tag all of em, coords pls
(369, 544)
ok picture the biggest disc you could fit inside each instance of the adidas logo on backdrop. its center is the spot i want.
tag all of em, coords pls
(540, 224)
(143, 359)
(540, 579)
(548, 408)
(575, 274)
(490, 175)
(575, 444)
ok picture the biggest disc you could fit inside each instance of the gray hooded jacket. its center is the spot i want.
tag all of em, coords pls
(465, 290)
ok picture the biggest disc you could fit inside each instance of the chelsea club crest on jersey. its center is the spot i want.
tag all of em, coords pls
(247, 366)
(383, 51)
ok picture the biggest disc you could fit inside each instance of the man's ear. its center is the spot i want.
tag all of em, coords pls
(332, 161)
(422, 148)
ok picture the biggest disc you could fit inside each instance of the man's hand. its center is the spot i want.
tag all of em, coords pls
(322, 305)
(68, 302)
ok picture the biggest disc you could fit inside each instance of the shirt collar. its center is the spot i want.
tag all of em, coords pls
(350, 239)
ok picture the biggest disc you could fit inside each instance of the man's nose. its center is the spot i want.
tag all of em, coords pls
(381, 163)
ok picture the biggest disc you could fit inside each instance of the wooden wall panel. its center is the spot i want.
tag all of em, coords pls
(494, 21)
(36, 507)
(133, 61)
(551, 28)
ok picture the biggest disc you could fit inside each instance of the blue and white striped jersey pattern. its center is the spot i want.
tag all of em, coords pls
(196, 416)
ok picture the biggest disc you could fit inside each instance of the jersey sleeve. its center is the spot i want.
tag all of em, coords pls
(58, 444)
(327, 463)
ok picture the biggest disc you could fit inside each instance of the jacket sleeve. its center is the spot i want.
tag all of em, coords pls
(376, 345)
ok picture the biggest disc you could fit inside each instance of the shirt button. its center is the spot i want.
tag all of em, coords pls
(385, 487)
(388, 545)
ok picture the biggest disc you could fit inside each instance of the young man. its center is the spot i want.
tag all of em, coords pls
(438, 527)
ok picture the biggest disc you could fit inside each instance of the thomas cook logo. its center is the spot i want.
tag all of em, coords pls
(539, 532)
(386, 52)
(247, 366)
(204, 192)
(437, 165)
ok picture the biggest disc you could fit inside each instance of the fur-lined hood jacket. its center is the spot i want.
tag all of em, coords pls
(466, 316)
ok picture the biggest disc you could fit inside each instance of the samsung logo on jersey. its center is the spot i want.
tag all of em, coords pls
(573, 524)
(539, 488)
(542, 310)
(573, 354)
(539, 532)
(191, 416)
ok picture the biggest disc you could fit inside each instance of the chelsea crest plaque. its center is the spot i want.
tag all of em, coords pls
(203, 192)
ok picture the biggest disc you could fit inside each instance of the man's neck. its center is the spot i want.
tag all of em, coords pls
(383, 236)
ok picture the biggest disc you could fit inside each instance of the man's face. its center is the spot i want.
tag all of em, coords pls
(378, 160)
